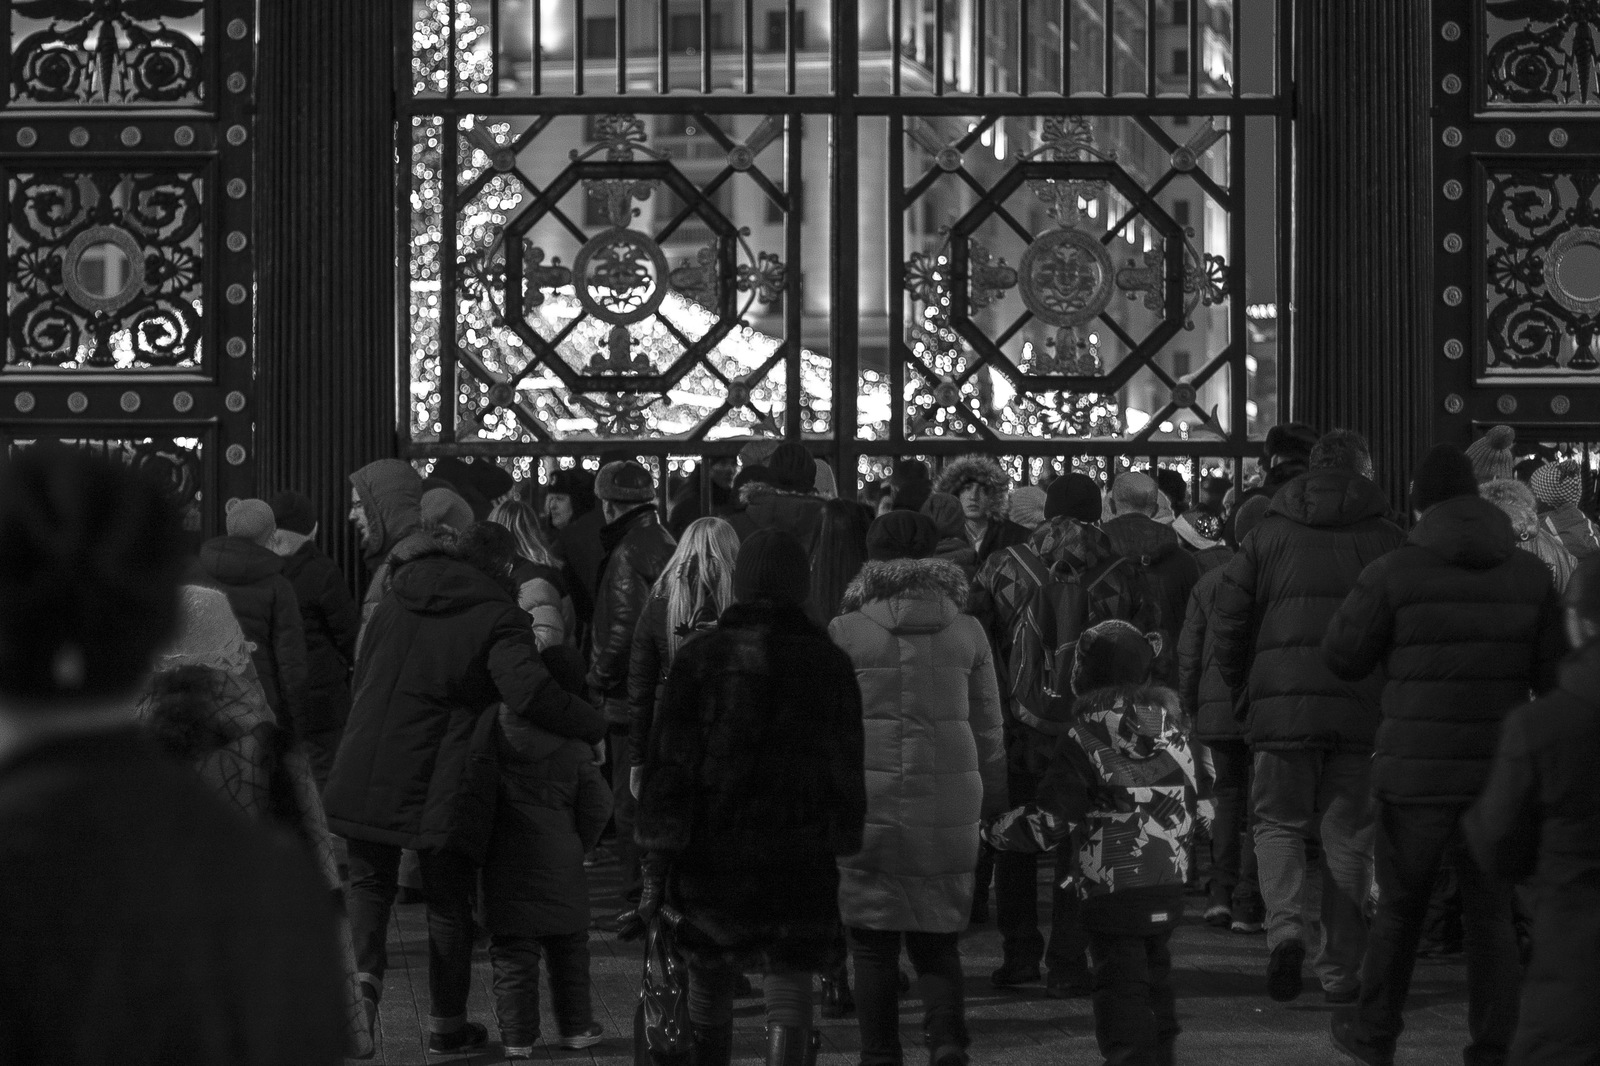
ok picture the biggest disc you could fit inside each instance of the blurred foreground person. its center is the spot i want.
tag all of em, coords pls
(142, 921)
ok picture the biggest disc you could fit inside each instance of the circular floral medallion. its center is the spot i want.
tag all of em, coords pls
(237, 29)
(1451, 83)
(24, 402)
(1454, 404)
(620, 276)
(1450, 31)
(1452, 137)
(234, 401)
(234, 454)
(237, 241)
(1506, 404)
(1454, 349)
(236, 294)
(1505, 137)
(183, 136)
(78, 137)
(1558, 138)
(1066, 277)
(182, 402)
(237, 347)
(237, 82)
(1452, 242)
(1452, 296)
(129, 401)
(237, 188)
(131, 136)
(1453, 189)
(27, 137)
(77, 403)
(237, 135)
(1560, 405)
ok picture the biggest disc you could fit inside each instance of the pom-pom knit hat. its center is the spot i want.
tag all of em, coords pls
(1491, 454)
(1558, 484)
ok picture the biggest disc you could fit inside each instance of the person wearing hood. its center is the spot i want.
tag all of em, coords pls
(386, 507)
(979, 483)
(944, 510)
(1537, 824)
(1516, 499)
(753, 789)
(1068, 549)
(1122, 798)
(790, 502)
(1234, 893)
(444, 653)
(1558, 487)
(330, 618)
(931, 708)
(1156, 551)
(248, 572)
(1311, 731)
(637, 549)
(1464, 625)
(1284, 457)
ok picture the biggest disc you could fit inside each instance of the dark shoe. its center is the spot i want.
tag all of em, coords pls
(1341, 997)
(1345, 1040)
(588, 1036)
(949, 1055)
(713, 1045)
(980, 911)
(1069, 985)
(1012, 974)
(1285, 979)
(742, 988)
(792, 1045)
(837, 999)
(1219, 916)
(470, 1037)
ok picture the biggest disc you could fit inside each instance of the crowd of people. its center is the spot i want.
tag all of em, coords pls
(821, 733)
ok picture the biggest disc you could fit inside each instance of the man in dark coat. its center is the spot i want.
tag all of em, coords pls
(790, 504)
(636, 551)
(1311, 731)
(1538, 822)
(1235, 893)
(1283, 458)
(446, 645)
(1169, 571)
(331, 621)
(386, 507)
(980, 484)
(1003, 600)
(754, 785)
(1465, 624)
(248, 572)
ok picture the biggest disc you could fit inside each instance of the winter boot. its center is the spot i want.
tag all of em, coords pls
(792, 1045)
(837, 999)
(713, 1045)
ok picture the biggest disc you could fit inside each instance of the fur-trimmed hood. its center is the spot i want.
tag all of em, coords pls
(960, 473)
(908, 594)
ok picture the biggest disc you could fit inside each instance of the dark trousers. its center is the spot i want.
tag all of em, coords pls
(1233, 856)
(516, 984)
(1410, 844)
(1017, 902)
(787, 995)
(622, 810)
(937, 960)
(1135, 1010)
(450, 882)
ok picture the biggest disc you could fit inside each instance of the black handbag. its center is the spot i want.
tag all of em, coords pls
(662, 1034)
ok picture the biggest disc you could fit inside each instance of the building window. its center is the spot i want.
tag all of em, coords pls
(1180, 61)
(1180, 12)
(600, 38)
(776, 21)
(1180, 212)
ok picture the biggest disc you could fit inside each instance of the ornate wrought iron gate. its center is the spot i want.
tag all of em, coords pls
(1035, 228)
(126, 149)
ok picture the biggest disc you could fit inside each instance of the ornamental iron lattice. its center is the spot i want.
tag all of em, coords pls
(107, 52)
(1542, 53)
(175, 462)
(106, 268)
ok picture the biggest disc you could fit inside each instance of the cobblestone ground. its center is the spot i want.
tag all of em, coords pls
(1222, 1005)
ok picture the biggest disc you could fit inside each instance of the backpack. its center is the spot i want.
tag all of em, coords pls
(1042, 674)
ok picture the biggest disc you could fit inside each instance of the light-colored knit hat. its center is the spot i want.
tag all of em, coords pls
(208, 633)
(1025, 506)
(1558, 484)
(1491, 454)
(441, 507)
(252, 520)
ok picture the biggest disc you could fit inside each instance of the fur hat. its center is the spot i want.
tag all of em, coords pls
(1074, 496)
(625, 481)
(1516, 500)
(902, 535)
(771, 566)
(976, 470)
(1290, 440)
(1025, 506)
(1113, 653)
(1491, 454)
(252, 520)
(1558, 484)
(294, 512)
(1443, 474)
(442, 507)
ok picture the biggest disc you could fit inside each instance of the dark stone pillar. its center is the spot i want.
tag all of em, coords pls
(326, 387)
(1362, 254)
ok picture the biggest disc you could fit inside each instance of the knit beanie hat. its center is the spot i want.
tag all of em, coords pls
(1250, 514)
(757, 452)
(1074, 496)
(441, 507)
(1113, 653)
(948, 517)
(294, 512)
(625, 482)
(1290, 441)
(825, 484)
(1025, 506)
(1491, 454)
(252, 520)
(1444, 473)
(771, 566)
(1558, 484)
(792, 467)
(901, 535)
(909, 484)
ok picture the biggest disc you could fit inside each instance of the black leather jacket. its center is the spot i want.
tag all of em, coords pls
(637, 550)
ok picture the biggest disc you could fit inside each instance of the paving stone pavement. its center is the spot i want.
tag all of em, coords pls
(1219, 976)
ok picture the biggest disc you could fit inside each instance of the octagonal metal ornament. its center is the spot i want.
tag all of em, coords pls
(620, 276)
(1066, 277)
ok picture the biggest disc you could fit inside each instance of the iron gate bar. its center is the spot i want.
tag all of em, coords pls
(449, 385)
(1149, 47)
(679, 103)
(621, 46)
(494, 49)
(792, 256)
(580, 46)
(1108, 75)
(1194, 47)
(938, 47)
(844, 327)
(1065, 41)
(982, 36)
(749, 79)
(899, 199)
(1024, 49)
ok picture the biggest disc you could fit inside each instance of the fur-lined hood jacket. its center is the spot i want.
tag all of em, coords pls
(979, 469)
(908, 594)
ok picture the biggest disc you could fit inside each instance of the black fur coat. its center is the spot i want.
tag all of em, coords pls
(754, 785)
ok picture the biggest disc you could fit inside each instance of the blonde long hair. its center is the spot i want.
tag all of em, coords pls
(698, 578)
(517, 516)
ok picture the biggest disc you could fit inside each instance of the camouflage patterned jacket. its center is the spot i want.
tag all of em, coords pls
(1123, 789)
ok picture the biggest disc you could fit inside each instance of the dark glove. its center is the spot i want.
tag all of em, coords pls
(652, 892)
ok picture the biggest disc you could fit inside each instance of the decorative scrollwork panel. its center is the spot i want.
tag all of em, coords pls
(105, 268)
(107, 53)
(1541, 53)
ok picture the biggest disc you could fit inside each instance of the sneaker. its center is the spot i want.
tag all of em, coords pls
(470, 1037)
(1285, 979)
(1219, 916)
(1069, 985)
(588, 1036)
(1343, 1034)
(1247, 928)
(1011, 974)
(516, 1051)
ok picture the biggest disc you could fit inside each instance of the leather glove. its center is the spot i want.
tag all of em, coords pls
(652, 892)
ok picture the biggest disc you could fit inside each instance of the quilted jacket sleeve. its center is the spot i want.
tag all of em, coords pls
(1358, 637)
(1233, 618)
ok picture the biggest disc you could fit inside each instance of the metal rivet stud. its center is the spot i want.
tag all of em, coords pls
(237, 241)
(131, 136)
(77, 403)
(1560, 405)
(1450, 83)
(237, 135)
(234, 454)
(1506, 404)
(24, 402)
(78, 137)
(1452, 137)
(1454, 404)
(236, 294)
(1558, 138)
(235, 402)
(27, 137)
(1505, 137)
(1450, 31)
(238, 30)
(129, 401)
(1454, 349)
(1453, 189)
(237, 188)
(1453, 296)
(237, 82)
(183, 136)
(237, 347)
(182, 402)
(1452, 242)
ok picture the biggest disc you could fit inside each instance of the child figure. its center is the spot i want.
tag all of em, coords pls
(553, 804)
(1123, 789)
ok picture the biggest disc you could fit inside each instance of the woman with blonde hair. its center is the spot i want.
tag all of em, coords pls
(688, 598)
(542, 590)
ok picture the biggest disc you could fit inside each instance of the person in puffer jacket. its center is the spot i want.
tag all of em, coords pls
(1157, 553)
(1124, 794)
(935, 767)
